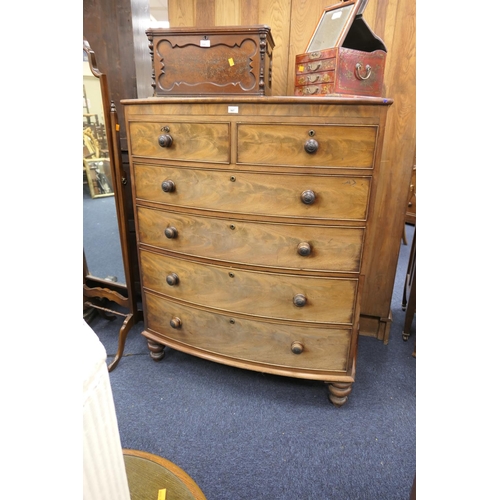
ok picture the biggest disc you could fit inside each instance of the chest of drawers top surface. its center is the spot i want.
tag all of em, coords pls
(286, 106)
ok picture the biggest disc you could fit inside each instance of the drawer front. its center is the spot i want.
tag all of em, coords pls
(215, 334)
(316, 89)
(200, 142)
(269, 295)
(313, 66)
(315, 78)
(317, 55)
(270, 245)
(333, 197)
(283, 144)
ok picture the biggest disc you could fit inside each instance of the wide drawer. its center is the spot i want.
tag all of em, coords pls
(276, 246)
(214, 335)
(269, 295)
(200, 142)
(335, 146)
(307, 196)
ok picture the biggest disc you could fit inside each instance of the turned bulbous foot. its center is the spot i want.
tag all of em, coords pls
(339, 391)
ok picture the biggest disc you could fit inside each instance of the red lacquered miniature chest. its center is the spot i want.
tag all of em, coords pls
(344, 56)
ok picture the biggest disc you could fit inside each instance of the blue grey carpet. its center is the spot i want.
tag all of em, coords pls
(243, 435)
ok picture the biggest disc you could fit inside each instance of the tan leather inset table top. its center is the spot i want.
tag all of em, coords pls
(151, 477)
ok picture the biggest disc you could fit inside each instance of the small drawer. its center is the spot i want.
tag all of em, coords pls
(313, 66)
(225, 338)
(335, 146)
(266, 295)
(275, 246)
(315, 78)
(284, 195)
(315, 89)
(200, 142)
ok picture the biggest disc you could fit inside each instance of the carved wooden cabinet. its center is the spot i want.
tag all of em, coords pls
(251, 215)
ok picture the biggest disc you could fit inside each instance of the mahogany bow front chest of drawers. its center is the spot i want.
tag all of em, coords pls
(251, 215)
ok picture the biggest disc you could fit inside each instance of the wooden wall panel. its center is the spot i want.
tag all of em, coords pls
(277, 14)
(228, 13)
(204, 13)
(182, 13)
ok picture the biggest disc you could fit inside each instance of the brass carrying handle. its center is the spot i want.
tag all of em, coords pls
(358, 74)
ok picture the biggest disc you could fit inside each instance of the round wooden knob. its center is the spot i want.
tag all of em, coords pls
(304, 249)
(308, 197)
(171, 232)
(165, 140)
(168, 186)
(297, 347)
(311, 146)
(176, 322)
(300, 300)
(173, 279)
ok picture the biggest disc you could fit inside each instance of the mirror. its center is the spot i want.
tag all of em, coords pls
(331, 27)
(101, 238)
(107, 277)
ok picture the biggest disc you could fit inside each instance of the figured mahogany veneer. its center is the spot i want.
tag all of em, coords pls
(251, 216)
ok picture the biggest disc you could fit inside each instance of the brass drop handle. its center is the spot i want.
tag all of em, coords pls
(297, 347)
(311, 89)
(165, 140)
(168, 186)
(176, 322)
(304, 249)
(314, 66)
(311, 146)
(171, 232)
(173, 279)
(368, 70)
(299, 300)
(308, 197)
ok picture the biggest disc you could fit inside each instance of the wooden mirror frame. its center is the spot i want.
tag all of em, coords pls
(98, 291)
